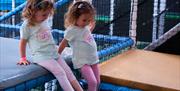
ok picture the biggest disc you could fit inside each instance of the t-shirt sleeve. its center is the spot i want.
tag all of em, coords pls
(88, 27)
(24, 32)
(69, 34)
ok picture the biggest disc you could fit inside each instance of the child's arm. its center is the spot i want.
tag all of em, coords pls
(22, 47)
(62, 45)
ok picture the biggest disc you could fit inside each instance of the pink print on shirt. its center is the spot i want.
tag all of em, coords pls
(88, 38)
(43, 36)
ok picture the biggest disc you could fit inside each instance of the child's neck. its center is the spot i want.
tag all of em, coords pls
(80, 26)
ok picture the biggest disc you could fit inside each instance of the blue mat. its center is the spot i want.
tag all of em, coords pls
(108, 86)
(111, 87)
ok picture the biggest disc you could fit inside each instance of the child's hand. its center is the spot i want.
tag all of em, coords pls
(23, 61)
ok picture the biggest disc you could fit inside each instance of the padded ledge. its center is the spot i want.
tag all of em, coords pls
(10, 73)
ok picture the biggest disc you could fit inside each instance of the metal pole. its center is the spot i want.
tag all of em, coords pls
(13, 17)
(161, 19)
(133, 18)
(13, 7)
(111, 16)
(155, 26)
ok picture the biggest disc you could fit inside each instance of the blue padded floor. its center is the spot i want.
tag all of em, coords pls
(111, 87)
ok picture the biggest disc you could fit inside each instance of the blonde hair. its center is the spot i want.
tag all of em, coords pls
(75, 10)
(33, 6)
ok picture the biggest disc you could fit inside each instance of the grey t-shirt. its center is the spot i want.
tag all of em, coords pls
(83, 46)
(40, 41)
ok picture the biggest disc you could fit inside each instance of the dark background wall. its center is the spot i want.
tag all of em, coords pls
(122, 17)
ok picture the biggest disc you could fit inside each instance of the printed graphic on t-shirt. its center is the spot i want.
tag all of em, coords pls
(43, 35)
(88, 38)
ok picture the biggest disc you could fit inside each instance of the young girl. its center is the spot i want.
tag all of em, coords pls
(35, 31)
(79, 22)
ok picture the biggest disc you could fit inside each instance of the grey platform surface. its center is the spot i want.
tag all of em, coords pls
(11, 73)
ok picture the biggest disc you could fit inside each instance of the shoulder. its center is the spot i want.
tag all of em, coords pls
(25, 23)
(87, 28)
(71, 29)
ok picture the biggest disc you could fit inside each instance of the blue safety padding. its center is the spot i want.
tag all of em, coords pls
(10, 1)
(20, 7)
(60, 2)
(7, 4)
(108, 86)
(112, 87)
(27, 85)
(16, 10)
(21, 87)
